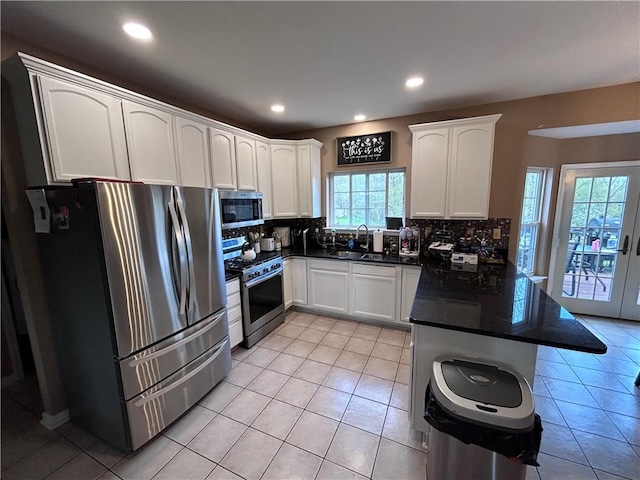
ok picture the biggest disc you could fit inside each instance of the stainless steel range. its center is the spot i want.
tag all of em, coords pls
(261, 289)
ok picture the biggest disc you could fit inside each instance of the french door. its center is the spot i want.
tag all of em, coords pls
(595, 265)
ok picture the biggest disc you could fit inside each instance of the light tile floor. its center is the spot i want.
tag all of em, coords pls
(324, 398)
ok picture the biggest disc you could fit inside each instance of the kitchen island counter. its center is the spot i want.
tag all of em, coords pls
(488, 314)
(496, 301)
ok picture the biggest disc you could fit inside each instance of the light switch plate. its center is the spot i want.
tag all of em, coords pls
(497, 233)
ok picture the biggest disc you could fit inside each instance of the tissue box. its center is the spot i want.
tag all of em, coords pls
(470, 258)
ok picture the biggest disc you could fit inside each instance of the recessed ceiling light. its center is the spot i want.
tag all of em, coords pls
(359, 118)
(277, 108)
(414, 82)
(137, 31)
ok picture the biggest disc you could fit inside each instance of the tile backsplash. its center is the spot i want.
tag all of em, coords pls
(476, 231)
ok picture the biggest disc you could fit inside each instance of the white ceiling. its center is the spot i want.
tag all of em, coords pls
(327, 61)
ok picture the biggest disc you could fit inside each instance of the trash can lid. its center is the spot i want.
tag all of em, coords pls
(485, 392)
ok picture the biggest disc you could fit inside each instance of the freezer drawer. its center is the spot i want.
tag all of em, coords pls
(152, 411)
(146, 368)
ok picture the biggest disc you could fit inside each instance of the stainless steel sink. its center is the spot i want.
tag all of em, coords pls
(372, 256)
(347, 254)
(351, 255)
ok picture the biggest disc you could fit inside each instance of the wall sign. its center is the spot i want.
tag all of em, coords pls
(373, 148)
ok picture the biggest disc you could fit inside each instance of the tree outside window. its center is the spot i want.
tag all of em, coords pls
(366, 197)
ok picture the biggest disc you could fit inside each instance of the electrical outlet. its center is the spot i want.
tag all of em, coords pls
(469, 231)
(427, 230)
(317, 230)
(497, 233)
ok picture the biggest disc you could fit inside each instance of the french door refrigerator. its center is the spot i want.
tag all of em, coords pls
(135, 283)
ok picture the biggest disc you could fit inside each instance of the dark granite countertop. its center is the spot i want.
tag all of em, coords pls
(325, 254)
(497, 301)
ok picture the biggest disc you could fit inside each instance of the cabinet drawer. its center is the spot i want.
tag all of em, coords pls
(233, 300)
(235, 334)
(331, 265)
(234, 314)
(375, 270)
(233, 286)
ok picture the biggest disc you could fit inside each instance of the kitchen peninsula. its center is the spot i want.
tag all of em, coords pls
(491, 313)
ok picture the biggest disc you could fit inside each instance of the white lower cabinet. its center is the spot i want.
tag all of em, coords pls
(373, 292)
(410, 278)
(287, 283)
(299, 280)
(234, 312)
(329, 286)
(352, 289)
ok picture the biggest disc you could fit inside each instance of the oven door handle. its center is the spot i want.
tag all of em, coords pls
(260, 280)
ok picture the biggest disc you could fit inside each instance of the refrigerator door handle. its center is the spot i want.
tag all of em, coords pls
(187, 238)
(182, 254)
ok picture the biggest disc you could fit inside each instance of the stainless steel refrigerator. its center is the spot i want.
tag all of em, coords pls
(136, 290)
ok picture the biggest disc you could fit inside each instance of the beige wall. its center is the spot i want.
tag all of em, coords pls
(514, 149)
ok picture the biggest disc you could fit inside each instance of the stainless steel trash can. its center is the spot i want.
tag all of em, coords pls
(488, 395)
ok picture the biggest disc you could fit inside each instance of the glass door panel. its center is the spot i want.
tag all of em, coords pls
(599, 208)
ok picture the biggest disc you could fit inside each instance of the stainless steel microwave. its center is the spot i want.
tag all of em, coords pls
(240, 209)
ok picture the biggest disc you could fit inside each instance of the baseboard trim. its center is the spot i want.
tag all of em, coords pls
(52, 422)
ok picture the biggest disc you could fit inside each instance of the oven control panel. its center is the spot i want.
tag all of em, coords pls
(262, 269)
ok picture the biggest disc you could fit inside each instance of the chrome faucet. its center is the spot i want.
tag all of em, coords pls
(366, 245)
(333, 236)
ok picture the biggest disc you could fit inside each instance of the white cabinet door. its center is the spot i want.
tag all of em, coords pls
(429, 163)
(329, 286)
(234, 312)
(284, 192)
(287, 283)
(193, 153)
(151, 148)
(469, 177)
(246, 164)
(263, 167)
(410, 278)
(85, 132)
(373, 292)
(309, 181)
(451, 168)
(223, 159)
(299, 277)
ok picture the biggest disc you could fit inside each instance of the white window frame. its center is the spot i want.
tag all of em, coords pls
(539, 223)
(331, 214)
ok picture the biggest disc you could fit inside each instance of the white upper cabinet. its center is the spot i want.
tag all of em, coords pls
(223, 159)
(430, 155)
(263, 168)
(451, 168)
(284, 194)
(151, 147)
(309, 179)
(247, 178)
(470, 165)
(85, 132)
(71, 125)
(193, 153)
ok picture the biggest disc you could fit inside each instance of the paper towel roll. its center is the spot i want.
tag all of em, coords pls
(377, 241)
